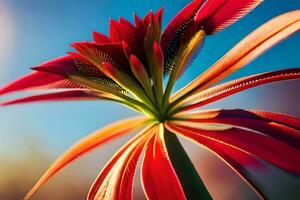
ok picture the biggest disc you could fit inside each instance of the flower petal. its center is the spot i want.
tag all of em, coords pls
(112, 53)
(87, 144)
(282, 127)
(216, 15)
(100, 38)
(116, 179)
(245, 51)
(178, 23)
(269, 149)
(178, 34)
(221, 91)
(38, 80)
(235, 158)
(73, 95)
(158, 176)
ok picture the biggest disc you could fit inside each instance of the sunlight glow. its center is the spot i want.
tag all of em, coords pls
(7, 38)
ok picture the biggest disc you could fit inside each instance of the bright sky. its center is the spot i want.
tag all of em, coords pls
(34, 31)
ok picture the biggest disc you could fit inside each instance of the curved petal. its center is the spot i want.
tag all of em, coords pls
(269, 149)
(245, 51)
(87, 144)
(100, 38)
(283, 128)
(116, 179)
(73, 95)
(221, 91)
(215, 15)
(182, 18)
(112, 53)
(38, 80)
(158, 175)
(235, 158)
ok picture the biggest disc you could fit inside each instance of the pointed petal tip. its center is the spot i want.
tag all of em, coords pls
(136, 63)
(126, 49)
(158, 54)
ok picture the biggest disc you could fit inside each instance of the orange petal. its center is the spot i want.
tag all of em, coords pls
(282, 127)
(270, 149)
(221, 91)
(245, 51)
(235, 158)
(87, 144)
(116, 179)
(158, 175)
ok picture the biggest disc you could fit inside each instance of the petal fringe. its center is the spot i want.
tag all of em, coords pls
(159, 178)
(221, 91)
(116, 179)
(87, 144)
(235, 158)
(245, 51)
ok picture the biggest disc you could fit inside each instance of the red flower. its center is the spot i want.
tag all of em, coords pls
(128, 67)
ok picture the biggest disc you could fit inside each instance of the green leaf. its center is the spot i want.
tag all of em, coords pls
(191, 182)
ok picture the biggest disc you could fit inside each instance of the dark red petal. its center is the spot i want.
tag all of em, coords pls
(73, 95)
(159, 15)
(97, 54)
(60, 66)
(216, 15)
(158, 54)
(235, 158)
(175, 25)
(72, 64)
(127, 24)
(159, 178)
(137, 20)
(101, 38)
(119, 32)
(126, 49)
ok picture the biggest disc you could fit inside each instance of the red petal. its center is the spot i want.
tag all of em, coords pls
(221, 91)
(38, 80)
(245, 51)
(159, 15)
(122, 167)
(126, 49)
(97, 54)
(72, 64)
(119, 32)
(279, 128)
(216, 15)
(73, 95)
(60, 66)
(100, 38)
(237, 159)
(269, 149)
(158, 54)
(177, 22)
(158, 175)
(87, 144)
(130, 27)
(279, 118)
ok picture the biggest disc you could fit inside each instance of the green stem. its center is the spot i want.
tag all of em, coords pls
(190, 180)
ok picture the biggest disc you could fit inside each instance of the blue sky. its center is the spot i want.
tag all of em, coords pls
(41, 30)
